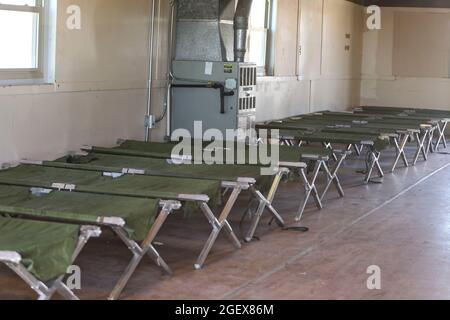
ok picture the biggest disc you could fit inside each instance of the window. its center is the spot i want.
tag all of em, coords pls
(24, 40)
(259, 40)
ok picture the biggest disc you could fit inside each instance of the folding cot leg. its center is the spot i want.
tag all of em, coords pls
(361, 149)
(332, 177)
(328, 145)
(64, 291)
(430, 146)
(265, 203)
(374, 163)
(310, 189)
(217, 225)
(286, 142)
(86, 232)
(146, 246)
(37, 286)
(357, 149)
(420, 147)
(137, 250)
(45, 292)
(441, 138)
(401, 154)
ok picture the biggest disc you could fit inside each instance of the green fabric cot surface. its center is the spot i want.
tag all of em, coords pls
(350, 129)
(164, 151)
(82, 208)
(380, 143)
(162, 167)
(332, 119)
(152, 157)
(46, 248)
(362, 130)
(301, 130)
(388, 118)
(427, 112)
(321, 123)
(150, 187)
(399, 121)
(400, 116)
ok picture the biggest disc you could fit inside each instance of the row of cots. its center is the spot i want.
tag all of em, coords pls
(50, 209)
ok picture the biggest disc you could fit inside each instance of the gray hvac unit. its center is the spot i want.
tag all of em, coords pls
(222, 95)
(205, 85)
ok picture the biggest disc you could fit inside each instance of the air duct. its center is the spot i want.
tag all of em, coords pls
(241, 21)
(198, 35)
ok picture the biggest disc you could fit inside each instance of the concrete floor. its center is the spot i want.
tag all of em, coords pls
(402, 226)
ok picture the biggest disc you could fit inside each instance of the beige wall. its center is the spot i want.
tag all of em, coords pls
(381, 85)
(324, 75)
(100, 89)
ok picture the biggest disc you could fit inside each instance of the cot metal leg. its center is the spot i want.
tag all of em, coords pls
(328, 146)
(357, 149)
(140, 251)
(374, 163)
(217, 225)
(64, 291)
(332, 177)
(441, 138)
(46, 291)
(310, 189)
(401, 154)
(286, 142)
(420, 138)
(86, 233)
(429, 142)
(266, 203)
(431, 148)
(37, 286)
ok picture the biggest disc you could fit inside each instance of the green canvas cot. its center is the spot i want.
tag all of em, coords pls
(46, 248)
(166, 151)
(40, 252)
(287, 154)
(411, 111)
(162, 167)
(132, 219)
(442, 116)
(150, 187)
(198, 195)
(139, 214)
(380, 119)
(294, 130)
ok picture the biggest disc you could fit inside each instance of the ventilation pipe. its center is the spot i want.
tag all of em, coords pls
(148, 117)
(241, 28)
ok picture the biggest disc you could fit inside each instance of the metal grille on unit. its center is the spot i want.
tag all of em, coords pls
(247, 104)
(247, 100)
(248, 76)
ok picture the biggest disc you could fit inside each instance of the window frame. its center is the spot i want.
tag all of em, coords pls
(270, 11)
(38, 74)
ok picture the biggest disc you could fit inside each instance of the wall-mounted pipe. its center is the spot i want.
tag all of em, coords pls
(148, 125)
(241, 22)
(170, 73)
